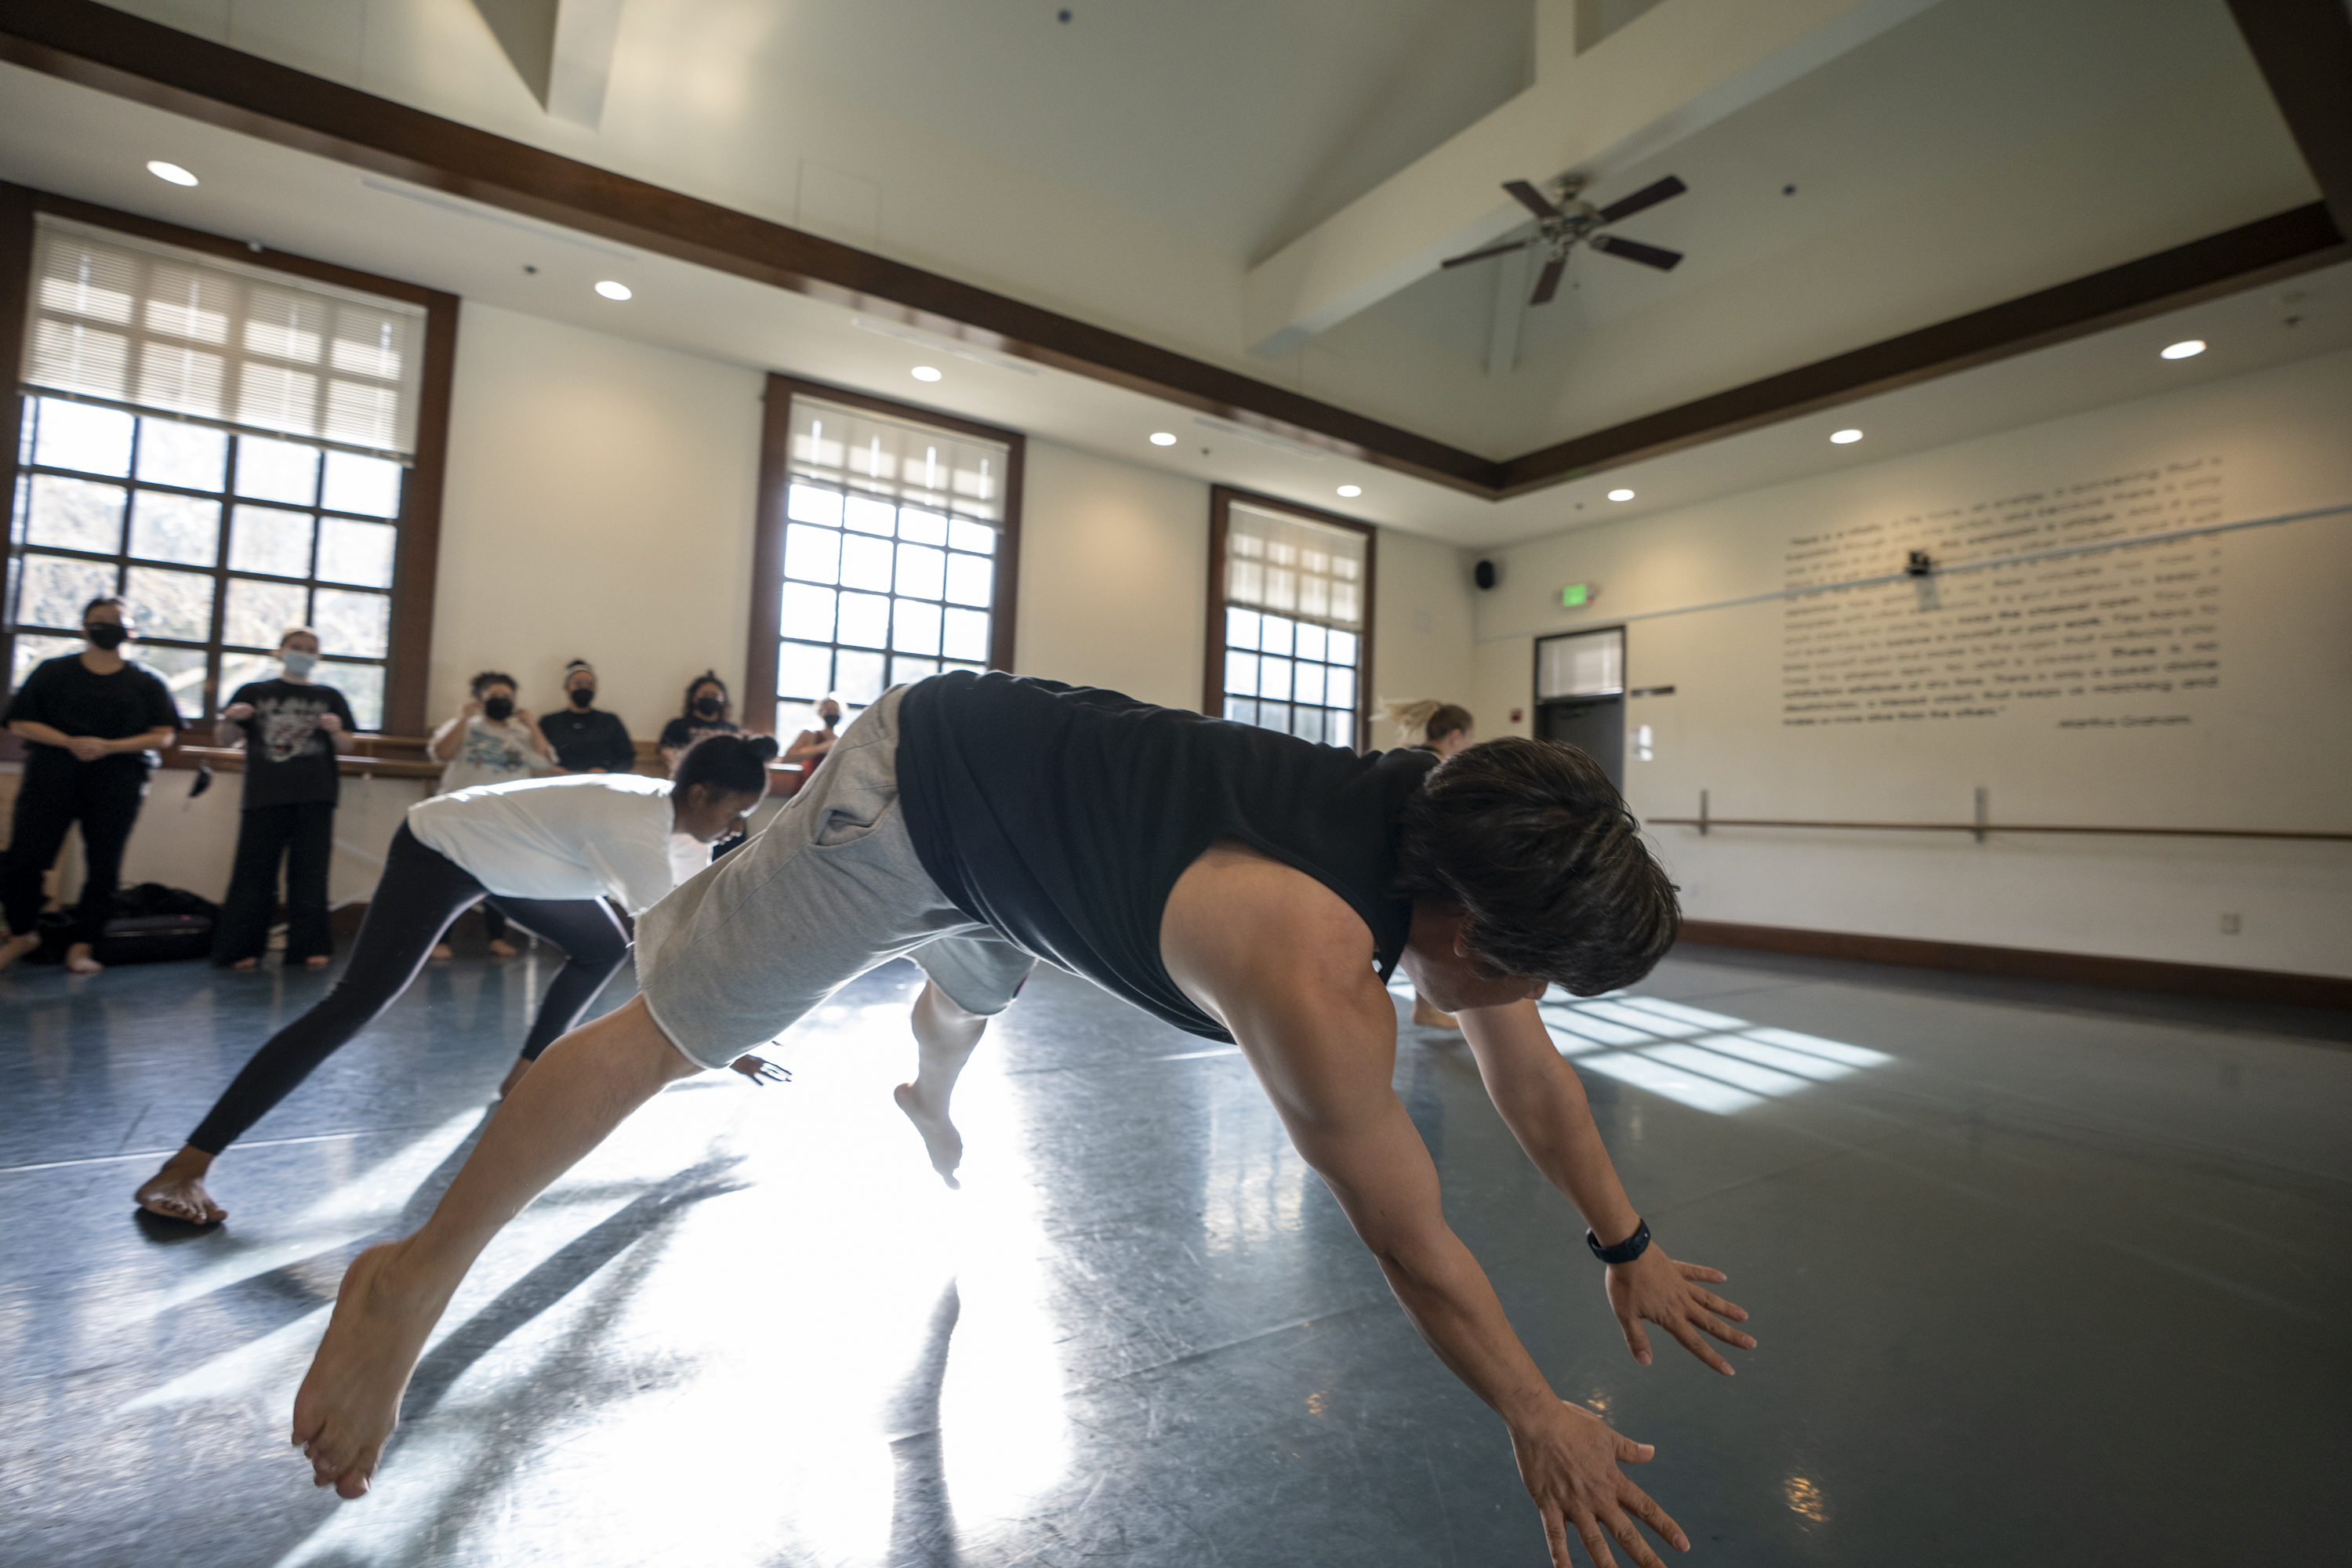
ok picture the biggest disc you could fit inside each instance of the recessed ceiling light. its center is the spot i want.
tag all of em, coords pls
(926, 373)
(1352, 491)
(2189, 348)
(1845, 437)
(169, 172)
(1164, 439)
(612, 291)
(1620, 495)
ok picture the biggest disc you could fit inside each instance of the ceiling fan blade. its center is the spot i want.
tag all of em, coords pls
(1649, 196)
(1548, 284)
(1531, 198)
(1490, 250)
(1635, 250)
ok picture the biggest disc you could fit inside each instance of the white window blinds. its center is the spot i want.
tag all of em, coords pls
(1295, 567)
(141, 325)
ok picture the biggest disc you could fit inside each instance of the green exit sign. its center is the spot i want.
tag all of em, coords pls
(1576, 595)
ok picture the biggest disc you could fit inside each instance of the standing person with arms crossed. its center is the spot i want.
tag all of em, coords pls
(291, 729)
(1239, 884)
(586, 739)
(491, 740)
(91, 719)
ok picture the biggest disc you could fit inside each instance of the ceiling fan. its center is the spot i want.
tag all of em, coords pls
(1562, 222)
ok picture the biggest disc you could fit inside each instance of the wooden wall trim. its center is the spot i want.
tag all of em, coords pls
(2305, 50)
(18, 205)
(417, 569)
(95, 46)
(2033, 963)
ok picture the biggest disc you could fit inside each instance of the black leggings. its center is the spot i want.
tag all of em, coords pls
(55, 792)
(422, 892)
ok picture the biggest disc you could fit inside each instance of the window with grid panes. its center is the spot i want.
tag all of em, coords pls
(220, 541)
(1294, 625)
(222, 445)
(890, 537)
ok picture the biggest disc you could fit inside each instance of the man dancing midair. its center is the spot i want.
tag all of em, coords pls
(1238, 883)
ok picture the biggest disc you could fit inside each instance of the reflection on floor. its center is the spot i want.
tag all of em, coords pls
(2031, 1269)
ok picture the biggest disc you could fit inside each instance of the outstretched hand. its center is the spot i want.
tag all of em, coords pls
(1569, 1463)
(1656, 1288)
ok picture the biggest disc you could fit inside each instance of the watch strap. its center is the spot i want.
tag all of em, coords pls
(1625, 1251)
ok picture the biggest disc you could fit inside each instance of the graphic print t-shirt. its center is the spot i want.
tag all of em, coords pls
(489, 752)
(289, 759)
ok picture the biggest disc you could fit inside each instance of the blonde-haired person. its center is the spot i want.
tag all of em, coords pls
(1444, 728)
(291, 728)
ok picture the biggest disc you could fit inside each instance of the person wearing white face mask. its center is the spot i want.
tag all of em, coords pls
(291, 728)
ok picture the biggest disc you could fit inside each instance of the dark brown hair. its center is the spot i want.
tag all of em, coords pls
(1535, 845)
(1449, 717)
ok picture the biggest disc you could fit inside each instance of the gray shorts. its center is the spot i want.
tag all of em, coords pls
(829, 889)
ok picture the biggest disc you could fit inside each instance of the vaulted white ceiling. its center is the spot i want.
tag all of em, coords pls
(1147, 167)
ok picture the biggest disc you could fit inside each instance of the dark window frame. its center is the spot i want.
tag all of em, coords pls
(1222, 498)
(759, 695)
(417, 557)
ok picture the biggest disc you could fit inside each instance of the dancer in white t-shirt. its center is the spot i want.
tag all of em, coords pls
(551, 851)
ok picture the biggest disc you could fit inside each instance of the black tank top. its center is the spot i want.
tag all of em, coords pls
(1062, 815)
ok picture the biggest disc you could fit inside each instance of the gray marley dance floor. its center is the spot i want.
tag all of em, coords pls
(2041, 1275)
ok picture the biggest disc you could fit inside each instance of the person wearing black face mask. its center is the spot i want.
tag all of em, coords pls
(491, 740)
(91, 720)
(586, 739)
(706, 714)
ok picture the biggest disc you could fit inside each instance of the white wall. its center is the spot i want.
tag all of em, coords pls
(1421, 626)
(599, 506)
(1114, 575)
(2267, 747)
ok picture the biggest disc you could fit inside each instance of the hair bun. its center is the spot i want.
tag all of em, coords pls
(761, 746)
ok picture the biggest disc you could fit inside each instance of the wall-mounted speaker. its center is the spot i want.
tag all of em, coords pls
(1484, 575)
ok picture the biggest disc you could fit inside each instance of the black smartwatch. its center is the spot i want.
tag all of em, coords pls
(1625, 1251)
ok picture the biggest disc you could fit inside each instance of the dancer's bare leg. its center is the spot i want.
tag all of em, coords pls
(16, 947)
(177, 1190)
(946, 1035)
(583, 1087)
(78, 958)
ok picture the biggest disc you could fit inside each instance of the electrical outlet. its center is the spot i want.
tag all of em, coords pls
(2229, 925)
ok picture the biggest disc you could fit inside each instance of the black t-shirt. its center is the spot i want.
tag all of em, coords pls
(594, 739)
(288, 760)
(1062, 815)
(66, 694)
(679, 733)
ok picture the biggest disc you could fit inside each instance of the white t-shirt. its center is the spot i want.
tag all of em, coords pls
(583, 836)
(491, 752)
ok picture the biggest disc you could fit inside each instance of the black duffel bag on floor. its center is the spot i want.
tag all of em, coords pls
(151, 924)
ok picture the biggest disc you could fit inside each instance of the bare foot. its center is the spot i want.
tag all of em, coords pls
(1429, 1017)
(78, 958)
(246, 963)
(317, 961)
(514, 1076)
(350, 1401)
(177, 1190)
(501, 948)
(941, 1140)
(442, 952)
(16, 947)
